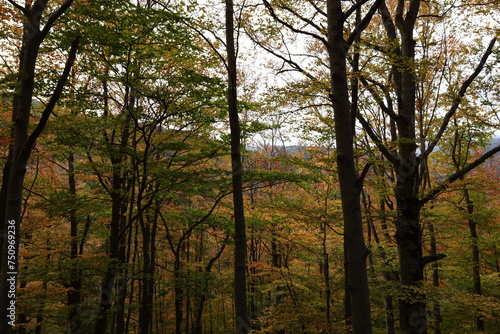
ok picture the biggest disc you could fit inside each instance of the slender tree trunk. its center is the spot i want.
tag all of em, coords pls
(149, 256)
(476, 272)
(145, 308)
(178, 293)
(119, 205)
(116, 251)
(326, 276)
(107, 286)
(355, 249)
(436, 308)
(197, 326)
(240, 242)
(75, 284)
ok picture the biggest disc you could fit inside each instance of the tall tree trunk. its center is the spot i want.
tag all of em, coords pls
(326, 276)
(22, 146)
(476, 272)
(119, 204)
(412, 310)
(108, 283)
(240, 242)
(355, 249)
(75, 284)
(436, 308)
(148, 226)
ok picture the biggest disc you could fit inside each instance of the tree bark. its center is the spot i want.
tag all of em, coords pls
(22, 145)
(75, 284)
(476, 272)
(240, 242)
(355, 249)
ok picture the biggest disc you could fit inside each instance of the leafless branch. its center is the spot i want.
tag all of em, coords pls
(292, 28)
(364, 22)
(458, 174)
(55, 96)
(351, 10)
(18, 6)
(375, 138)
(458, 99)
(54, 16)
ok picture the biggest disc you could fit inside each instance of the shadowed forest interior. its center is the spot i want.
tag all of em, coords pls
(256, 166)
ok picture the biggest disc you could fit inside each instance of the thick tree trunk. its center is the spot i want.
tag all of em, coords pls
(240, 242)
(355, 249)
(412, 310)
(17, 170)
(21, 149)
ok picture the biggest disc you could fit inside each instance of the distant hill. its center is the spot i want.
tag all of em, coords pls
(494, 142)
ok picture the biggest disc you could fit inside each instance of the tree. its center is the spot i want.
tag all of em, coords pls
(409, 158)
(23, 142)
(338, 47)
(240, 240)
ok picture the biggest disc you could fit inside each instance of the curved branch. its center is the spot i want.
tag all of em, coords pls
(305, 19)
(364, 22)
(354, 8)
(458, 99)
(362, 176)
(55, 96)
(201, 34)
(54, 16)
(292, 28)
(295, 66)
(457, 175)
(18, 6)
(316, 7)
(375, 138)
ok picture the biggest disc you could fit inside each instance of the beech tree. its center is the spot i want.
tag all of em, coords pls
(240, 246)
(408, 160)
(344, 111)
(36, 28)
(127, 208)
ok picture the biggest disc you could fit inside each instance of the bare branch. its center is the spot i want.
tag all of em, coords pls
(54, 16)
(362, 176)
(354, 8)
(54, 98)
(458, 99)
(389, 25)
(319, 10)
(295, 66)
(457, 175)
(18, 6)
(375, 138)
(364, 23)
(432, 258)
(306, 20)
(292, 28)
(378, 99)
(201, 34)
